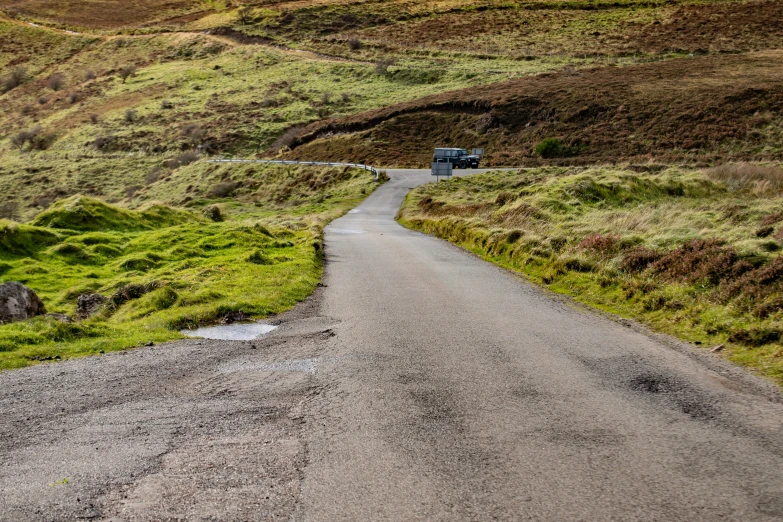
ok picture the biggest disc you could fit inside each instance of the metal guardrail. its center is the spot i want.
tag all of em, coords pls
(296, 162)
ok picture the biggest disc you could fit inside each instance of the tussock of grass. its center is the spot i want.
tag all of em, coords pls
(759, 179)
(692, 253)
(19, 239)
(163, 269)
(89, 214)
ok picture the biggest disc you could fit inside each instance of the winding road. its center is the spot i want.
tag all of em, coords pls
(420, 383)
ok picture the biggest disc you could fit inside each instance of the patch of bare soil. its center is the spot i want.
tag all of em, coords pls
(692, 109)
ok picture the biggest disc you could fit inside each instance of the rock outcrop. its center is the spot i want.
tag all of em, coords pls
(89, 304)
(17, 303)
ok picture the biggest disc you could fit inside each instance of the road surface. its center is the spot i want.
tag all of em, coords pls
(420, 383)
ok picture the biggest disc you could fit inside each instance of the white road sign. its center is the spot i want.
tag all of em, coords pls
(442, 169)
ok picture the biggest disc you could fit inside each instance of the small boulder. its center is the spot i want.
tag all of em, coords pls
(88, 304)
(17, 303)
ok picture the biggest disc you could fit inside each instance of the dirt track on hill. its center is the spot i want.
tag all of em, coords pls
(421, 383)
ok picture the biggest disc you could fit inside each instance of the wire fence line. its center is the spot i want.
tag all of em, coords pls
(296, 162)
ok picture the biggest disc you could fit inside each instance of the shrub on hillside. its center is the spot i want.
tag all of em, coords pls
(43, 140)
(354, 44)
(22, 138)
(551, 148)
(35, 137)
(15, 78)
(56, 82)
(213, 213)
(130, 115)
(194, 134)
(126, 72)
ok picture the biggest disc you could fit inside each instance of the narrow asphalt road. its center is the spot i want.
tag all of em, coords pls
(420, 383)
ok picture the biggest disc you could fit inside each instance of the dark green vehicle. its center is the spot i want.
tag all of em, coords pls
(460, 158)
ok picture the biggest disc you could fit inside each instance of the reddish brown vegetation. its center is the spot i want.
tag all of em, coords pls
(687, 109)
(601, 245)
(108, 14)
(702, 260)
(754, 288)
(716, 27)
(640, 258)
(524, 32)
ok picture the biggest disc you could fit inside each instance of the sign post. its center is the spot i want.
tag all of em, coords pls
(442, 169)
(478, 152)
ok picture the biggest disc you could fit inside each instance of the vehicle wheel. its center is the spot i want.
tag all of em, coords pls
(462, 164)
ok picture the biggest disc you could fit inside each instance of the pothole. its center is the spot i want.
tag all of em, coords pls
(231, 332)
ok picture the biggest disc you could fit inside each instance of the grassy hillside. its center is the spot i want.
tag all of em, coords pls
(96, 115)
(693, 253)
(693, 109)
(109, 111)
(246, 250)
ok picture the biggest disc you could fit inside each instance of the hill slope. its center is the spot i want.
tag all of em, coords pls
(696, 109)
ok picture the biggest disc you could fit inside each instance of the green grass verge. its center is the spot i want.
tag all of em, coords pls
(162, 268)
(694, 254)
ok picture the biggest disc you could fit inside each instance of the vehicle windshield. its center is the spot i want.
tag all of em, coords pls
(463, 152)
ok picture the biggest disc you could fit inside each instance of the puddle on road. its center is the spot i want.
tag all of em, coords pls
(231, 332)
(354, 211)
(347, 231)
